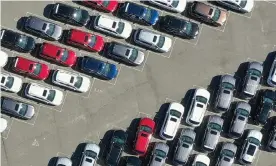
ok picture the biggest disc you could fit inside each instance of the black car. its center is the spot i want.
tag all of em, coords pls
(16, 41)
(133, 161)
(69, 14)
(271, 143)
(117, 146)
(179, 27)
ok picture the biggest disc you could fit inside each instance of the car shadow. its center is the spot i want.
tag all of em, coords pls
(200, 130)
(52, 161)
(104, 146)
(9, 65)
(20, 23)
(240, 73)
(172, 144)
(77, 154)
(227, 117)
(215, 154)
(131, 132)
(266, 131)
(146, 159)
(267, 64)
(254, 103)
(159, 118)
(213, 88)
(186, 102)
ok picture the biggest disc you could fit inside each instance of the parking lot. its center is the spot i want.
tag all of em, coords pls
(137, 91)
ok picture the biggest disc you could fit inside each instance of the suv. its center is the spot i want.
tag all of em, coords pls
(90, 155)
(159, 154)
(227, 154)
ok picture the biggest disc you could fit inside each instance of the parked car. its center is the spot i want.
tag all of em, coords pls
(271, 80)
(70, 14)
(244, 6)
(198, 107)
(227, 154)
(139, 13)
(17, 108)
(173, 5)
(133, 161)
(128, 54)
(159, 154)
(208, 13)
(201, 160)
(250, 147)
(252, 79)
(85, 40)
(152, 40)
(184, 146)
(117, 146)
(144, 133)
(212, 133)
(172, 121)
(63, 161)
(271, 143)
(43, 28)
(3, 124)
(99, 68)
(106, 5)
(73, 81)
(179, 27)
(33, 69)
(3, 58)
(225, 93)
(10, 83)
(90, 155)
(240, 119)
(16, 41)
(44, 94)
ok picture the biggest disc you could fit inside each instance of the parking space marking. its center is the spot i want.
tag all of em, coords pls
(9, 130)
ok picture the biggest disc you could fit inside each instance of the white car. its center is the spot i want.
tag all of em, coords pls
(172, 121)
(250, 147)
(10, 82)
(71, 80)
(63, 161)
(198, 107)
(244, 6)
(201, 160)
(153, 40)
(3, 124)
(272, 74)
(113, 26)
(173, 5)
(90, 155)
(3, 58)
(44, 94)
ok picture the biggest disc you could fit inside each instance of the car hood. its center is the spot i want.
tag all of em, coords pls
(4, 58)
(85, 86)
(127, 30)
(44, 72)
(154, 17)
(57, 33)
(58, 98)
(249, 5)
(30, 112)
(113, 72)
(167, 44)
(140, 58)
(222, 17)
(142, 142)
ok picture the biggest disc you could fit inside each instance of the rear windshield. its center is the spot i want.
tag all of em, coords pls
(201, 99)
(175, 113)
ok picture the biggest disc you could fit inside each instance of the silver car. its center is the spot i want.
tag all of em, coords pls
(225, 93)
(212, 133)
(240, 119)
(227, 154)
(252, 79)
(159, 154)
(63, 161)
(184, 146)
(43, 28)
(90, 154)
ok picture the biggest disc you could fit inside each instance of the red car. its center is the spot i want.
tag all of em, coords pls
(143, 135)
(56, 53)
(85, 40)
(33, 69)
(106, 5)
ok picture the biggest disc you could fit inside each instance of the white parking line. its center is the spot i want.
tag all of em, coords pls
(9, 130)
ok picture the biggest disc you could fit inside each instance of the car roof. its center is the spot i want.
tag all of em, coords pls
(107, 22)
(24, 63)
(8, 103)
(135, 9)
(256, 134)
(92, 63)
(66, 9)
(51, 49)
(203, 8)
(147, 36)
(133, 161)
(36, 89)
(37, 23)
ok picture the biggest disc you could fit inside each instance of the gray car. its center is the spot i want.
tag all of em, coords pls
(159, 154)
(227, 154)
(17, 108)
(212, 133)
(43, 28)
(252, 79)
(184, 146)
(240, 119)
(225, 93)
(63, 161)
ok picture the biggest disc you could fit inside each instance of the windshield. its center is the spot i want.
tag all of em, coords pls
(118, 140)
(268, 100)
(104, 69)
(147, 15)
(146, 129)
(78, 82)
(37, 69)
(201, 99)
(92, 41)
(228, 153)
(255, 72)
(175, 3)
(77, 15)
(9, 82)
(175, 113)
(160, 153)
(187, 139)
(188, 27)
(120, 28)
(227, 85)
(198, 163)
(216, 15)
(134, 55)
(64, 56)
(51, 30)
(215, 126)
(243, 112)
(243, 3)
(254, 141)
(51, 95)
(90, 153)
(23, 109)
(161, 42)
(22, 41)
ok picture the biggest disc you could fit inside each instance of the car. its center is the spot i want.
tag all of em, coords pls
(172, 121)
(250, 147)
(179, 27)
(133, 161)
(99, 68)
(139, 13)
(106, 5)
(207, 13)
(117, 146)
(152, 40)
(184, 146)
(3, 124)
(113, 26)
(172, 5)
(44, 94)
(144, 133)
(128, 54)
(10, 83)
(240, 119)
(198, 107)
(85, 40)
(17, 41)
(43, 28)
(212, 133)
(252, 79)
(271, 80)
(201, 160)
(3, 58)
(225, 93)
(244, 6)
(227, 154)
(159, 154)
(58, 54)
(63, 161)
(271, 143)
(69, 14)
(17, 108)
(32, 68)
(90, 154)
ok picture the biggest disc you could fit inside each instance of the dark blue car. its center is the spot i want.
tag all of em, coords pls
(97, 67)
(139, 13)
